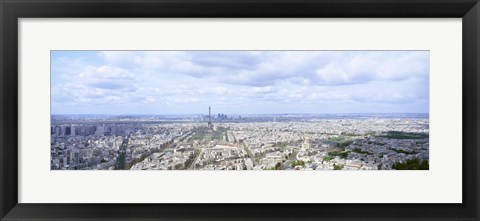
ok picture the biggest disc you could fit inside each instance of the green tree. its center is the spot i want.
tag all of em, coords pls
(338, 167)
(412, 164)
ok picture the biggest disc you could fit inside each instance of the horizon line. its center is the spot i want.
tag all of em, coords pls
(245, 113)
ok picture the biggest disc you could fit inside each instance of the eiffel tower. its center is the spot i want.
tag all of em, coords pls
(210, 117)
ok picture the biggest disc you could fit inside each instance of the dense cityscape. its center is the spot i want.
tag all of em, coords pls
(236, 142)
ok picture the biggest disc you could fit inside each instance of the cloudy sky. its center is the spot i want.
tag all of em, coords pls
(239, 82)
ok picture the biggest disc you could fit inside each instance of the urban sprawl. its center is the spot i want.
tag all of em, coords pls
(253, 142)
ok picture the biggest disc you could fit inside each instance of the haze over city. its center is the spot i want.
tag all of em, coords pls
(239, 82)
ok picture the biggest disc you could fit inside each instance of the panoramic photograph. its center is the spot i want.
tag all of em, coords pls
(239, 110)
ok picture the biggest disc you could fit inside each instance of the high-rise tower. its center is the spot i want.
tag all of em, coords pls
(209, 117)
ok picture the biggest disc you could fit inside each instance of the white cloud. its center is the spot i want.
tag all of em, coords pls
(297, 78)
(126, 59)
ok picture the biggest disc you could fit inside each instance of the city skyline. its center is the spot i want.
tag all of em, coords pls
(258, 114)
(239, 82)
(251, 143)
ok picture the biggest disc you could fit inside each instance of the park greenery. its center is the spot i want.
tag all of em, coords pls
(277, 166)
(342, 154)
(344, 144)
(206, 134)
(281, 144)
(336, 139)
(298, 163)
(412, 164)
(404, 135)
(404, 151)
(338, 167)
(328, 158)
(358, 150)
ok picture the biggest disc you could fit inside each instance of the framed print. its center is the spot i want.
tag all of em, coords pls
(318, 110)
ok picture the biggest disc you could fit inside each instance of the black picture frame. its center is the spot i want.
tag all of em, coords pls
(12, 10)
